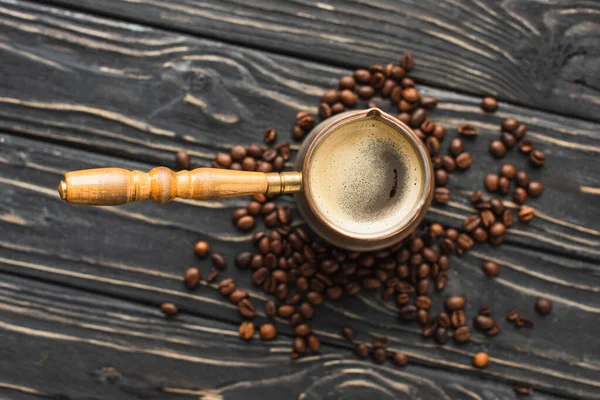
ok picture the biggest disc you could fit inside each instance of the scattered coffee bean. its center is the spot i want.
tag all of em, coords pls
(400, 358)
(169, 309)
(247, 308)
(496, 329)
(348, 334)
(347, 97)
(270, 136)
(362, 76)
(462, 334)
(347, 82)
(246, 330)
(365, 91)
(535, 189)
(379, 355)
(455, 302)
(489, 104)
(491, 268)
(267, 331)
(471, 223)
(314, 344)
(468, 130)
(299, 345)
(246, 223)
(526, 146)
(192, 277)
(526, 213)
(508, 139)
(458, 318)
(483, 322)
(202, 249)
(227, 286)
(497, 148)
(491, 182)
(218, 261)
(509, 124)
(519, 195)
(537, 158)
(508, 171)
(442, 335)
(442, 195)
(480, 360)
(504, 185)
(361, 350)
(214, 273)
(456, 146)
(520, 131)
(464, 160)
(305, 121)
(522, 179)
(183, 159)
(543, 306)
(522, 389)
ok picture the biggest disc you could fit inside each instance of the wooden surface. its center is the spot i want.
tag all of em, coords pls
(80, 305)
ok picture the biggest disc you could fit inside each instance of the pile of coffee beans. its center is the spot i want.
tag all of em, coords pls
(300, 271)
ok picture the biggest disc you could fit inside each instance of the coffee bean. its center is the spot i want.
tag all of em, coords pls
(522, 179)
(508, 171)
(476, 197)
(433, 145)
(526, 146)
(330, 96)
(249, 164)
(512, 315)
(325, 111)
(491, 182)
(395, 72)
(496, 329)
(523, 321)
(483, 322)
(408, 313)
(455, 302)
(443, 320)
(302, 330)
(508, 218)
(347, 82)
(265, 167)
(422, 316)
(491, 268)
(407, 82)
(183, 159)
(471, 223)
(410, 94)
(480, 360)
(442, 335)
(267, 331)
(223, 159)
(347, 97)
(246, 330)
(440, 281)
(246, 223)
(448, 163)
(381, 342)
(497, 148)
(462, 334)
(508, 139)
(254, 151)
(305, 121)
(482, 205)
(504, 185)
(334, 293)
(418, 117)
(348, 334)
(452, 234)
(509, 124)
(537, 158)
(314, 344)
(299, 345)
(260, 275)
(458, 318)
(497, 206)
(423, 302)
(238, 213)
(479, 234)
(238, 152)
(400, 358)
(270, 136)
(489, 104)
(337, 108)
(464, 160)
(297, 134)
(520, 131)
(487, 218)
(168, 309)
(543, 306)
(201, 249)
(447, 246)
(535, 188)
(456, 146)
(218, 261)
(522, 389)
(246, 308)
(379, 355)
(407, 61)
(404, 117)
(361, 350)
(365, 91)
(362, 76)
(191, 277)
(526, 213)
(227, 286)
(497, 229)
(467, 130)
(305, 310)
(429, 328)
(214, 273)
(519, 195)
(464, 242)
(377, 79)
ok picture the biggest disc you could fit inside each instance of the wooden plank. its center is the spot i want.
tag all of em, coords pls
(142, 93)
(140, 251)
(540, 54)
(71, 344)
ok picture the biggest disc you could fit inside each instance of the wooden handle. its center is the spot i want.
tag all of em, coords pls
(115, 186)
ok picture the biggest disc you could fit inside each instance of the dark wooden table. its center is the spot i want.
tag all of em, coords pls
(88, 83)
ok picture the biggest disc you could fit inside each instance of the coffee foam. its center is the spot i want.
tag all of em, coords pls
(366, 177)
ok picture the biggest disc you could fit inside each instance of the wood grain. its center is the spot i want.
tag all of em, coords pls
(540, 54)
(48, 240)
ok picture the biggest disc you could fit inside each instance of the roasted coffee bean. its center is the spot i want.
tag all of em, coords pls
(462, 334)
(512, 315)
(447, 246)
(271, 219)
(522, 321)
(334, 293)
(467, 130)
(526, 213)
(497, 148)
(191, 277)
(479, 234)
(436, 229)
(471, 223)
(264, 166)
(377, 79)
(509, 124)
(381, 342)
(410, 94)
(448, 163)
(503, 185)
(508, 139)
(491, 268)
(295, 319)
(201, 249)
(489, 104)
(436, 160)
(407, 82)
(416, 244)
(260, 275)
(497, 229)
(430, 255)
(439, 132)
(227, 286)
(444, 263)
(519, 195)
(286, 310)
(442, 335)
(476, 197)
(362, 76)
(249, 164)
(183, 159)
(422, 316)
(347, 82)
(497, 206)
(299, 345)
(494, 330)
(305, 121)
(483, 322)
(246, 330)
(423, 302)
(314, 344)
(520, 131)
(267, 331)
(464, 160)
(270, 308)
(496, 240)
(379, 355)
(371, 283)
(246, 223)
(442, 195)
(452, 234)
(330, 96)
(254, 151)
(458, 318)
(347, 97)
(491, 182)
(508, 171)
(400, 358)
(337, 108)
(402, 299)
(365, 91)
(522, 389)
(302, 330)
(408, 313)
(455, 302)
(418, 116)
(271, 136)
(168, 309)
(404, 117)
(223, 159)
(522, 179)
(535, 188)
(464, 242)
(348, 334)
(440, 281)
(443, 320)
(238, 213)
(487, 218)
(456, 146)
(407, 61)
(543, 306)
(508, 218)
(537, 158)
(238, 152)
(482, 205)
(429, 328)
(212, 275)
(361, 350)
(325, 111)
(526, 146)
(387, 88)
(247, 308)
(297, 134)
(305, 310)
(253, 208)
